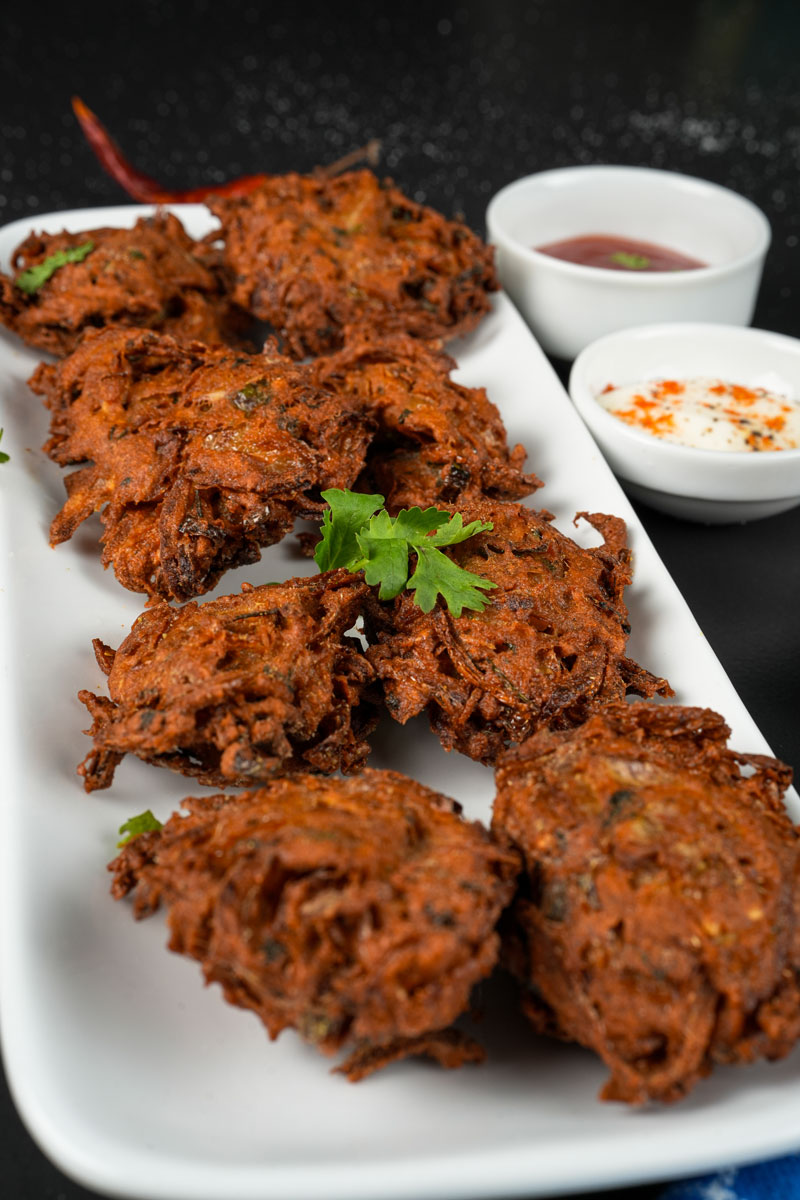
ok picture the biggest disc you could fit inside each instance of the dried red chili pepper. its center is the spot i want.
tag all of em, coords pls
(150, 191)
(139, 185)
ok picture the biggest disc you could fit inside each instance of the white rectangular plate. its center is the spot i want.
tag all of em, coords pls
(140, 1082)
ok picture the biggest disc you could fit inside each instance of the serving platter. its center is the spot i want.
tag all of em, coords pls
(140, 1082)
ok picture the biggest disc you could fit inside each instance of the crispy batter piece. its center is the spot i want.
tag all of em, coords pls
(450, 1048)
(197, 456)
(357, 911)
(312, 255)
(437, 442)
(152, 276)
(239, 689)
(660, 921)
(548, 649)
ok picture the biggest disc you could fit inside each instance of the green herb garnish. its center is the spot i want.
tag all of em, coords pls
(348, 514)
(31, 280)
(632, 262)
(359, 534)
(143, 823)
(3, 455)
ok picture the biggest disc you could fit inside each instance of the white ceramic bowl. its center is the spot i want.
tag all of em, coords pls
(568, 306)
(714, 486)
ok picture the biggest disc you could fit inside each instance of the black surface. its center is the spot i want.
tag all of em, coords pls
(465, 98)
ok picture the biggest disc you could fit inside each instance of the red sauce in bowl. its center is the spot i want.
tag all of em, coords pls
(613, 253)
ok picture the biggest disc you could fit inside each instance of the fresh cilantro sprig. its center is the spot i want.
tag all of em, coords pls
(3, 455)
(31, 280)
(142, 823)
(360, 535)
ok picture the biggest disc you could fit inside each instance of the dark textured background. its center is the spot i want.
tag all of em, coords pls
(465, 98)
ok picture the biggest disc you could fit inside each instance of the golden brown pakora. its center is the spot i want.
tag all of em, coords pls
(239, 689)
(436, 441)
(358, 911)
(312, 255)
(196, 456)
(151, 276)
(546, 651)
(659, 921)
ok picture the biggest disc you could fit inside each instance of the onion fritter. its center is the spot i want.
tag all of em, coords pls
(437, 442)
(239, 689)
(312, 255)
(357, 911)
(199, 456)
(660, 921)
(152, 276)
(548, 648)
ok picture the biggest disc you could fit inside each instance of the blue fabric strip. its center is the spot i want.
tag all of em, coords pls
(775, 1180)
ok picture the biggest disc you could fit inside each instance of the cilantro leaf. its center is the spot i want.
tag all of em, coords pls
(31, 280)
(384, 556)
(631, 262)
(456, 531)
(380, 547)
(347, 514)
(142, 823)
(3, 455)
(413, 523)
(437, 575)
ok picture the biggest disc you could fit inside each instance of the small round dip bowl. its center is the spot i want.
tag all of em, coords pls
(568, 305)
(711, 486)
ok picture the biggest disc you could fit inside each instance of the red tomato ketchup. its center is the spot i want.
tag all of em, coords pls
(613, 253)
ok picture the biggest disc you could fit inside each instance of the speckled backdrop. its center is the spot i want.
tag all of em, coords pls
(464, 97)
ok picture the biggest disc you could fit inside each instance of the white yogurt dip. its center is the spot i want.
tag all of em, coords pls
(708, 413)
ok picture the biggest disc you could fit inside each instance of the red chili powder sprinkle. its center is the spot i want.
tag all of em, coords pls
(645, 410)
(760, 441)
(665, 423)
(670, 387)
